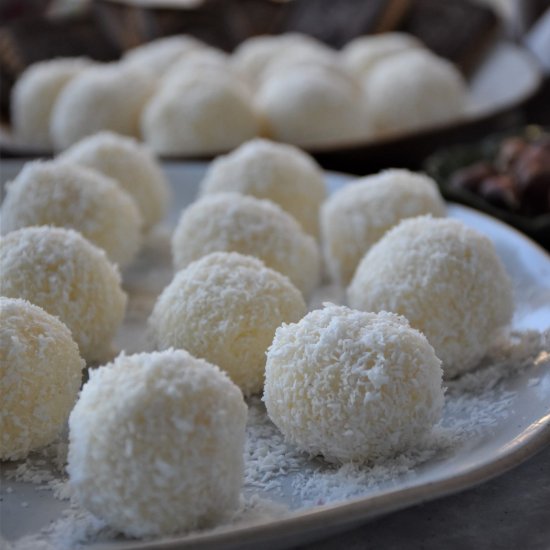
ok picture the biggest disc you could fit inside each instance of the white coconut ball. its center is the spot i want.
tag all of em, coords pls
(34, 95)
(275, 171)
(132, 165)
(232, 222)
(201, 113)
(40, 374)
(312, 105)
(63, 194)
(358, 215)
(60, 271)
(225, 308)
(104, 97)
(446, 279)
(412, 90)
(159, 55)
(156, 444)
(361, 54)
(254, 55)
(351, 385)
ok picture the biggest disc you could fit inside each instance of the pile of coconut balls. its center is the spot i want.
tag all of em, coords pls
(183, 97)
(156, 439)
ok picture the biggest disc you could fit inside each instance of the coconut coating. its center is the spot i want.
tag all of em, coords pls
(446, 279)
(199, 113)
(156, 444)
(412, 90)
(104, 97)
(60, 271)
(362, 53)
(225, 308)
(34, 95)
(132, 165)
(352, 385)
(68, 195)
(241, 223)
(158, 56)
(275, 171)
(40, 374)
(312, 105)
(356, 216)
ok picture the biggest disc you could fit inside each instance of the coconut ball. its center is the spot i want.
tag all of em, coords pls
(159, 55)
(225, 308)
(60, 271)
(240, 223)
(446, 279)
(254, 55)
(199, 114)
(40, 374)
(106, 97)
(312, 105)
(356, 216)
(351, 385)
(68, 195)
(274, 171)
(412, 90)
(34, 95)
(362, 53)
(156, 444)
(132, 165)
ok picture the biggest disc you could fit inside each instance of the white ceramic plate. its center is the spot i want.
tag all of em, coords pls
(499, 445)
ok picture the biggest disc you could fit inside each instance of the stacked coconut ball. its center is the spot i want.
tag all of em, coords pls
(156, 439)
(184, 97)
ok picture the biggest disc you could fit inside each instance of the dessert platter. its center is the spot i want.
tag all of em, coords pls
(493, 417)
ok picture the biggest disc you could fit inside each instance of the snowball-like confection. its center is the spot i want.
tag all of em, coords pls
(34, 95)
(225, 308)
(253, 56)
(446, 279)
(40, 374)
(356, 216)
(199, 114)
(68, 195)
(351, 385)
(156, 444)
(240, 223)
(362, 53)
(413, 89)
(275, 171)
(108, 97)
(159, 55)
(131, 164)
(60, 271)
(312, 105)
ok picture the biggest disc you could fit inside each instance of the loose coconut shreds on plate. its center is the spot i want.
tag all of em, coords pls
(277, 474)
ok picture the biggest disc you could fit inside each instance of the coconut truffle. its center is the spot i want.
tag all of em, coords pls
(201, 113)
(156, 444)
(362, 53)
(40, 374)
(240, 223)
(412, 90)
(60, 271)
(225, 308)
(106, 97)
(446, 279)
(356, 216)
(67, 195)
(351, 385)
(34, 95)
(132, 165)
(274, 171)
(312, 105)
(158, 56)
